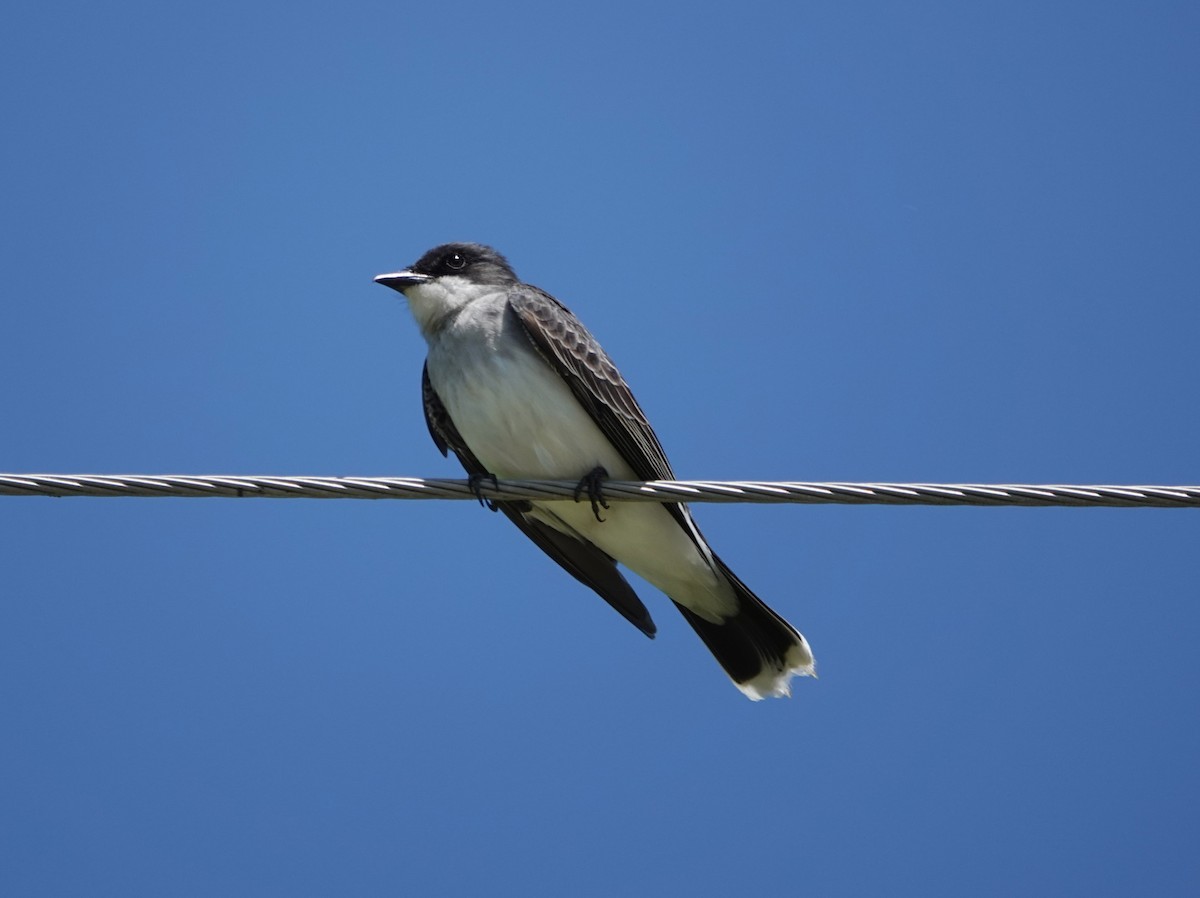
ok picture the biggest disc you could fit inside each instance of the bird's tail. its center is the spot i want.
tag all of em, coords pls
(759, 650)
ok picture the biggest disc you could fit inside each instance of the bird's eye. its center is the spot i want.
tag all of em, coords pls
(455, 261)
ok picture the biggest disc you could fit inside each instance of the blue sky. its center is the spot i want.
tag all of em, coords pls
(933, 241)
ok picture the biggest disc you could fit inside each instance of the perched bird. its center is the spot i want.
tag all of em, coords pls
(517, 387)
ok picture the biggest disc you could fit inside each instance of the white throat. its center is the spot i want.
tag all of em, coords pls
(434, 303)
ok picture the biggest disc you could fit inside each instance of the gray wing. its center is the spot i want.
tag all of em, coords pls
(577, 356)
(582, 560)
(570, 349)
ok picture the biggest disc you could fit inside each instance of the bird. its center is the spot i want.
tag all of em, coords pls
(516, 387)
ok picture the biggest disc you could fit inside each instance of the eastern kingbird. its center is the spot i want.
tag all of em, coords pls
(516, 386)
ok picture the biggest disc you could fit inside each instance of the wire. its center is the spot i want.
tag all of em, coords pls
(234, 486)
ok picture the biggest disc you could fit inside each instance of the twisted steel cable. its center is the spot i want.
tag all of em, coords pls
(275, 487)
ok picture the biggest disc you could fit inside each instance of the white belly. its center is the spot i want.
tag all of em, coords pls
(519, 417)
(521, 420)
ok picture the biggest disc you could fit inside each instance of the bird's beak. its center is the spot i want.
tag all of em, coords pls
(402, 280)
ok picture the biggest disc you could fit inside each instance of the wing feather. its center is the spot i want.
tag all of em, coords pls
(571, 350)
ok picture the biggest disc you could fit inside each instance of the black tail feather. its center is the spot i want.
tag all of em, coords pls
(753, 642)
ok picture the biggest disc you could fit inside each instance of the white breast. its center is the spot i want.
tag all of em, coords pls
(517, 415)
(521, 420)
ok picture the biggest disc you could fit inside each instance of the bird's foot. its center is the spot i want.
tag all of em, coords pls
(476, 481)
(593, 483)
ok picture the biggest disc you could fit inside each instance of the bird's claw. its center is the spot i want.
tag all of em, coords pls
(593, 483)
(476, 481)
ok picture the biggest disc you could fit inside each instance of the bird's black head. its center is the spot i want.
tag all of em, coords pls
(472, 261)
